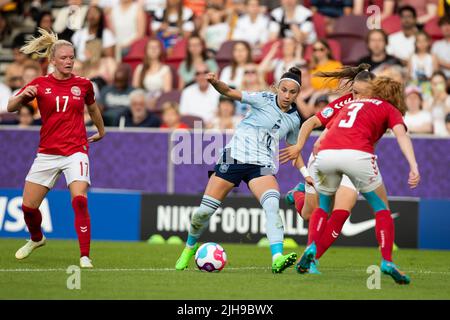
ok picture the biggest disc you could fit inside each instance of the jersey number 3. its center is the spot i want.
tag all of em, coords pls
(66, 100)
(354, 107)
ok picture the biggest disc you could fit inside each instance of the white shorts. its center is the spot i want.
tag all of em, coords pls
(361, 167)
(345, 182)
(46, 169)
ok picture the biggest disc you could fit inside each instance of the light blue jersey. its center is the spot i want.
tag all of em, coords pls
(257, 136)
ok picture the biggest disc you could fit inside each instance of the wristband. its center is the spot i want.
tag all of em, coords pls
(304, 172)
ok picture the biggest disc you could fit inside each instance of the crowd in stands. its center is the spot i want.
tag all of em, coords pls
(148, 59)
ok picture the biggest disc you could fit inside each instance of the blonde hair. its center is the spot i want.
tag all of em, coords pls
(45, 45)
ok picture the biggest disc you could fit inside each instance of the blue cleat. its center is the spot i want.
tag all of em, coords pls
(308, 257)
(313, 267)
(290, 195)
(391, 269)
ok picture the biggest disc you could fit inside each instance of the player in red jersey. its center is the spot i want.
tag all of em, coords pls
(349, 149)
(63, 145)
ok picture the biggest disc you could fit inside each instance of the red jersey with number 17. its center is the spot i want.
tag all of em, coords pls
(61, 104)
(360, 124)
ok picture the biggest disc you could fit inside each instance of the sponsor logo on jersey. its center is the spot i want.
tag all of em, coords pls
(48, 90)
(75, 91)
(327, 112)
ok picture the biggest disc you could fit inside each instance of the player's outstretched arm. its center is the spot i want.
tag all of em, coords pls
(408, 151)
(292, 152)
(15, 102)
(96, 116)
(223, 88)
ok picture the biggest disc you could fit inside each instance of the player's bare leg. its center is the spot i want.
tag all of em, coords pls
(266, 190)
(78, 193)
(216, 190)
(33, 195)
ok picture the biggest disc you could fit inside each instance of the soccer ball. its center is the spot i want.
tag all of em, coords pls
(210, 257)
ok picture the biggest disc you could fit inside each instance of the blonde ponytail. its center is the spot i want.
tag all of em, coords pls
(44, 45)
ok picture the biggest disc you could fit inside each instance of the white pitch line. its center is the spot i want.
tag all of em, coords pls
(173, 270)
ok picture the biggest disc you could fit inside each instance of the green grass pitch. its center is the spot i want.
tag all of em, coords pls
(137, 270)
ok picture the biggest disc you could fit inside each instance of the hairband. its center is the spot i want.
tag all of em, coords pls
(290, 80)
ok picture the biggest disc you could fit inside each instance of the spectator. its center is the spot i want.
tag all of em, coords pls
(439, 103)
(426, 9)
(151, 6)
(32, 70)
(377, 41)
(127, 21)
(332, 10)
(115, 98)
(394, 72)
(70, 18)
(199, 99)
(387, 7)
(171, 116)
(253, 81)
(292, 56)
(44, 21)
(234, 73)
(172, 22)
(195, 54)
(138, 115)
(152, 75)
(322, 60)
(422, 63)
(5, 93)
(14, 71)
(292, 20)
(5, 30)
(215, 29)
(401, 43)
(447, 123)
(226, 118)
(441, 48)
(416, 119)
(96, 67)
(252, 27)
(26, 118)
(94, 29)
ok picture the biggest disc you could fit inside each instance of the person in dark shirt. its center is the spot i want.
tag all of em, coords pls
(377, 41)
(138, 115)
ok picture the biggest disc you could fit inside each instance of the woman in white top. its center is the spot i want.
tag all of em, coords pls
(127, 20)
(226, 118)
(233, 74)
(152, 75)
(422, 63)
(292, 57)
(439, 103)
(94, 28)
(252, 27)
(416, 119)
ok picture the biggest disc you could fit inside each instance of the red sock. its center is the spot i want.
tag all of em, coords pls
(385, 232)
(299, 198)
(332, 230)
(33, 219)
(317, 224)
(82, 224)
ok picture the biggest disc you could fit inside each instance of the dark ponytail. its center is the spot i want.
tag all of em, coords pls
(293, 73)
(349, 74)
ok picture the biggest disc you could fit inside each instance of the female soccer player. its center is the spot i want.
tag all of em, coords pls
(349, 149)
(250, 157)
(63, 145)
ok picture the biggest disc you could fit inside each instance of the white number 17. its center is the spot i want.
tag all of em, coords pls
(354, 107)
(66, 100)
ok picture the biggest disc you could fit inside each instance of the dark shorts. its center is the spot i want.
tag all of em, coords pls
(235, 171)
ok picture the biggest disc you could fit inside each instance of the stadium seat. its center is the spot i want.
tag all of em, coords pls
(334, 46)
(190, 120)
(225, 53)
(136, 53)
(433, 29)
(8, 118)
(319, 25)
(352, 49)
(173, 95)
(354, 26)
(391, 24)
(266, 48)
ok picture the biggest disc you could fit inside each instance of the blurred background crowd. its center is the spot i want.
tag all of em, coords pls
(148, 58)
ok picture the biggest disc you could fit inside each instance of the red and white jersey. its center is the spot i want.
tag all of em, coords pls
(360, 124)
(332, 109)
(61, 104)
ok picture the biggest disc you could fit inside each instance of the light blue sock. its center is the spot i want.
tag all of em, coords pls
(270, 202)
(200, 219)
(375, 201)
(325, 202)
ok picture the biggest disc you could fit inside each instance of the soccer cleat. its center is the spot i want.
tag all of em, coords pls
(391, 269)
(289, 198)
(304, 263)
(28, 248)
(283, 262)
(85, 262)
(313, 267)
(186, 255)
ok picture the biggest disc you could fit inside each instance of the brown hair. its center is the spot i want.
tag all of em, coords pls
(349, 74)
(234, 63)
(389, 90)
(147, 63)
